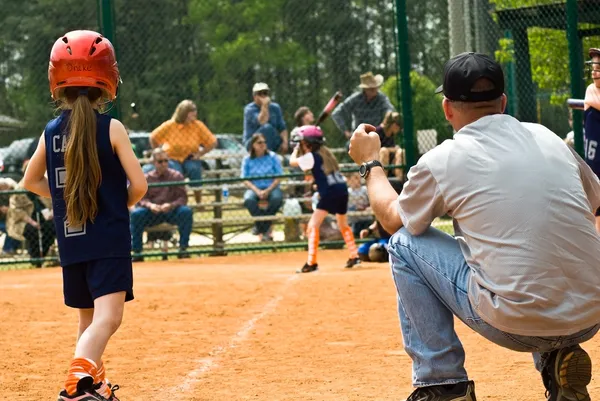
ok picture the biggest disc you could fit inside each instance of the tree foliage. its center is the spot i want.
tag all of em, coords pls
(427, 106)
(213, 51)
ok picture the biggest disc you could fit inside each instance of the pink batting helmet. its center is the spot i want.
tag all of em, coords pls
(309, 133)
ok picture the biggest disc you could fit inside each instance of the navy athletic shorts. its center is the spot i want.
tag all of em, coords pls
(335, 201)
(84, 282)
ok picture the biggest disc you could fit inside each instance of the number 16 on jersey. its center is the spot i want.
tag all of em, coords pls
(589, 148)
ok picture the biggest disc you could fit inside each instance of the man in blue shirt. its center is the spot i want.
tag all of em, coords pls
(266, 117)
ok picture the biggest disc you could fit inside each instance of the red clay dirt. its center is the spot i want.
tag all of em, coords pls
(242, 327)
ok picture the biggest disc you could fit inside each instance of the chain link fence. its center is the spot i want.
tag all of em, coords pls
(530, 38)
(232, 195)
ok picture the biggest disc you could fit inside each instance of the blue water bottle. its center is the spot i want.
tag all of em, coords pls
(225, 194)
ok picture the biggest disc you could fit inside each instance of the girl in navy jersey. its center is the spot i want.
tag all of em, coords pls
(591, 132)
(89, 160)
(311, 155)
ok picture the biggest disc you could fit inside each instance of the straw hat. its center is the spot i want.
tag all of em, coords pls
(370, 81)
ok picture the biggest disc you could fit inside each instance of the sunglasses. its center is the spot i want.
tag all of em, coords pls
(162, 161)
(263, 93)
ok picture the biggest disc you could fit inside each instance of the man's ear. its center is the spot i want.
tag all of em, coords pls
(448, 112)
(504, 102)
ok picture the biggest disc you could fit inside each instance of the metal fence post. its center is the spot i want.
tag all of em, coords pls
(406, 99)
(217, 228)
(576, 70)
(106, 22)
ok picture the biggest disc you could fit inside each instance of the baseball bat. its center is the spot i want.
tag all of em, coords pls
(335, 99)
(575, 104)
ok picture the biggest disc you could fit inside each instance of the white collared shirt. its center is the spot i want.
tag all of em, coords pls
(523, 207)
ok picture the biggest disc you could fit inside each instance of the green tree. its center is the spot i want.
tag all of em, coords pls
(427, 106)
(548, 50)
(428, 34)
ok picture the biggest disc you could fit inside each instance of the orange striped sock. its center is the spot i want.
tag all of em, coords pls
(349, 240)
(79, 369)
(104, 390)
(313, 245)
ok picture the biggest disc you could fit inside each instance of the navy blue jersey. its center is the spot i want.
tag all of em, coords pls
(109, 235)
(591, 138)
(326, 183)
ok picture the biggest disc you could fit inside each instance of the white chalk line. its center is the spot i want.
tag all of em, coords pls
(206, 364)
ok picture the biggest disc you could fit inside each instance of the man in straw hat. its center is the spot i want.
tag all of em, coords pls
(367, 106)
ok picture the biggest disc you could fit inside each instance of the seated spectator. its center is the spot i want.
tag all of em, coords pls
(303, 116)
(264, 197)
(570, 137)
(162, 205)
(29, 218)
(10, 244)
(265, 116)
(358, 201)
(390, 152)
(374, 250)
(185, 139)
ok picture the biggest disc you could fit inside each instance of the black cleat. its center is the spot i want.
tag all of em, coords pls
(308, 268)
(352, 262)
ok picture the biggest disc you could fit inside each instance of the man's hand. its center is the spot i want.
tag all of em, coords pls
(364, 144)
(265, 100)
(165, 207)
(364, 233)
(263, 194)
(154, 208)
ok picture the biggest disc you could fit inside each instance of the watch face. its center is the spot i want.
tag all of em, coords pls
(362, 170)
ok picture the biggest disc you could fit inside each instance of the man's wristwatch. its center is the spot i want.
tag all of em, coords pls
(365, 168)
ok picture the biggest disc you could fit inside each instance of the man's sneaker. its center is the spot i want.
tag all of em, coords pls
(352, 262)
(308, 268)
(567, 373)
(86, 391)
(463, 391)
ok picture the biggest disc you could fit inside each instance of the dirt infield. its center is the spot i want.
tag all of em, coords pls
(241, 328)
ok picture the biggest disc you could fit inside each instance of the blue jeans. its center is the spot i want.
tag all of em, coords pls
(251, 203)
(191, 169)
(431, 278)
(142, 218)
(10, 244)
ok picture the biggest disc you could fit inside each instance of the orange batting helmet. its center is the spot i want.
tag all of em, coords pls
(83, 58)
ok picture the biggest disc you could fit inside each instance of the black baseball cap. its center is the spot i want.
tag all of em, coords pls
(462, 71)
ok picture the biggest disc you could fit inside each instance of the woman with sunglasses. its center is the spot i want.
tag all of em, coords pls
(263, 197)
